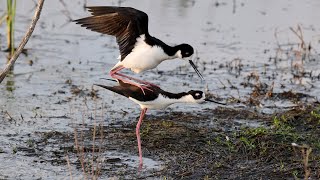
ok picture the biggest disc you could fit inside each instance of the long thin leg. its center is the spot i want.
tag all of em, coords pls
(135, 84)
(115, 75)
(116, 69)
(143, 112)
(116, 72)
(138, 80)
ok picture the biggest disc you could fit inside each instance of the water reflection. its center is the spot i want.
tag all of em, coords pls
(181, 6)
(10, 76)
(10, 83)
(233, 40)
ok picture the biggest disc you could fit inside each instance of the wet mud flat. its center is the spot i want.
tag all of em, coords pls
(268, 130)
(233, 142)
(51, 115)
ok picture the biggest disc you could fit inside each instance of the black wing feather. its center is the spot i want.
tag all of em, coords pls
(135, 92)
(125, 23)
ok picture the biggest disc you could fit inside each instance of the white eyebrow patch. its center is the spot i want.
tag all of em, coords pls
(197, 94)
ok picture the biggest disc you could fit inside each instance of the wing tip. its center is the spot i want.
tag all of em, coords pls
(84, 21)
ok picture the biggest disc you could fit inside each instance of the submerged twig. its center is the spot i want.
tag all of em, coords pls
(7, 113)
(23, 42)
(234, 7)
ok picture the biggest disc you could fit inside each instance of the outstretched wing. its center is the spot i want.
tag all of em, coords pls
(125, 23)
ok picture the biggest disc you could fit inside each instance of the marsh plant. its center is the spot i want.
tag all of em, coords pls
(9, 16)
(11, 13)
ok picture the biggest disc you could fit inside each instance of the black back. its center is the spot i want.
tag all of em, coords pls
(125, 23)
(135, 92)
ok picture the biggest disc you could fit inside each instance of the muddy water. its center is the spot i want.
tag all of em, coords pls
(233, 40)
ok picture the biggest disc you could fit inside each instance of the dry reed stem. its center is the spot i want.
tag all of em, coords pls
(270, 91)
(24, 41)
(80, 146)
(76, 142)
(94, 171)
(299, 34)
(82, 155)
(69, 166)
(101, 142)
(224, 86)
(66, 12)
(93, 140)
(305, 154)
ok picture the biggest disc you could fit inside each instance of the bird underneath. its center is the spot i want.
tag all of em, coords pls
(156, 98)
(139, 51)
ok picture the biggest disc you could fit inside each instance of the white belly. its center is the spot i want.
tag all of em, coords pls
(160, 103)
(143, 57)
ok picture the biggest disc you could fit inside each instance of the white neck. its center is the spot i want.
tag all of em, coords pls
(178, 55)
(184, 99)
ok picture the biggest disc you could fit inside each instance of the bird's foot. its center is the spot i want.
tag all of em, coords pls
(134, 79)
(142, 87)
(149, 84)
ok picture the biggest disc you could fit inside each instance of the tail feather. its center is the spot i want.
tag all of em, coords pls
(112, 88)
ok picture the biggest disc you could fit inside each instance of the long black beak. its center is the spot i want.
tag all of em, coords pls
(209, 100)
(195, 68)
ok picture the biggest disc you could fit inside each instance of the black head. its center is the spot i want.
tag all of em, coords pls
(186, 50)
(200, 97)
(197, 96)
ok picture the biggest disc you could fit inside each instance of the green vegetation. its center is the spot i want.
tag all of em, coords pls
(14, 150)
(11, 13)
(30, 143)
(289, 141)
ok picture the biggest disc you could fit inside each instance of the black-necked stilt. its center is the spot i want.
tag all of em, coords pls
(154, 99)
(139, 51)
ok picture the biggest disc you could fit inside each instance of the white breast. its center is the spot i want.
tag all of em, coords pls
(143, 56)
(162, 101)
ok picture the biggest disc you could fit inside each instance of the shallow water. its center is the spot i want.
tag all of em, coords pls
(233, 40)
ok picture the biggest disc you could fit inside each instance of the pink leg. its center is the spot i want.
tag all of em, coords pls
(116, 75)
(115, 72)
(134, 84)
(138, 80)
(143, 112)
